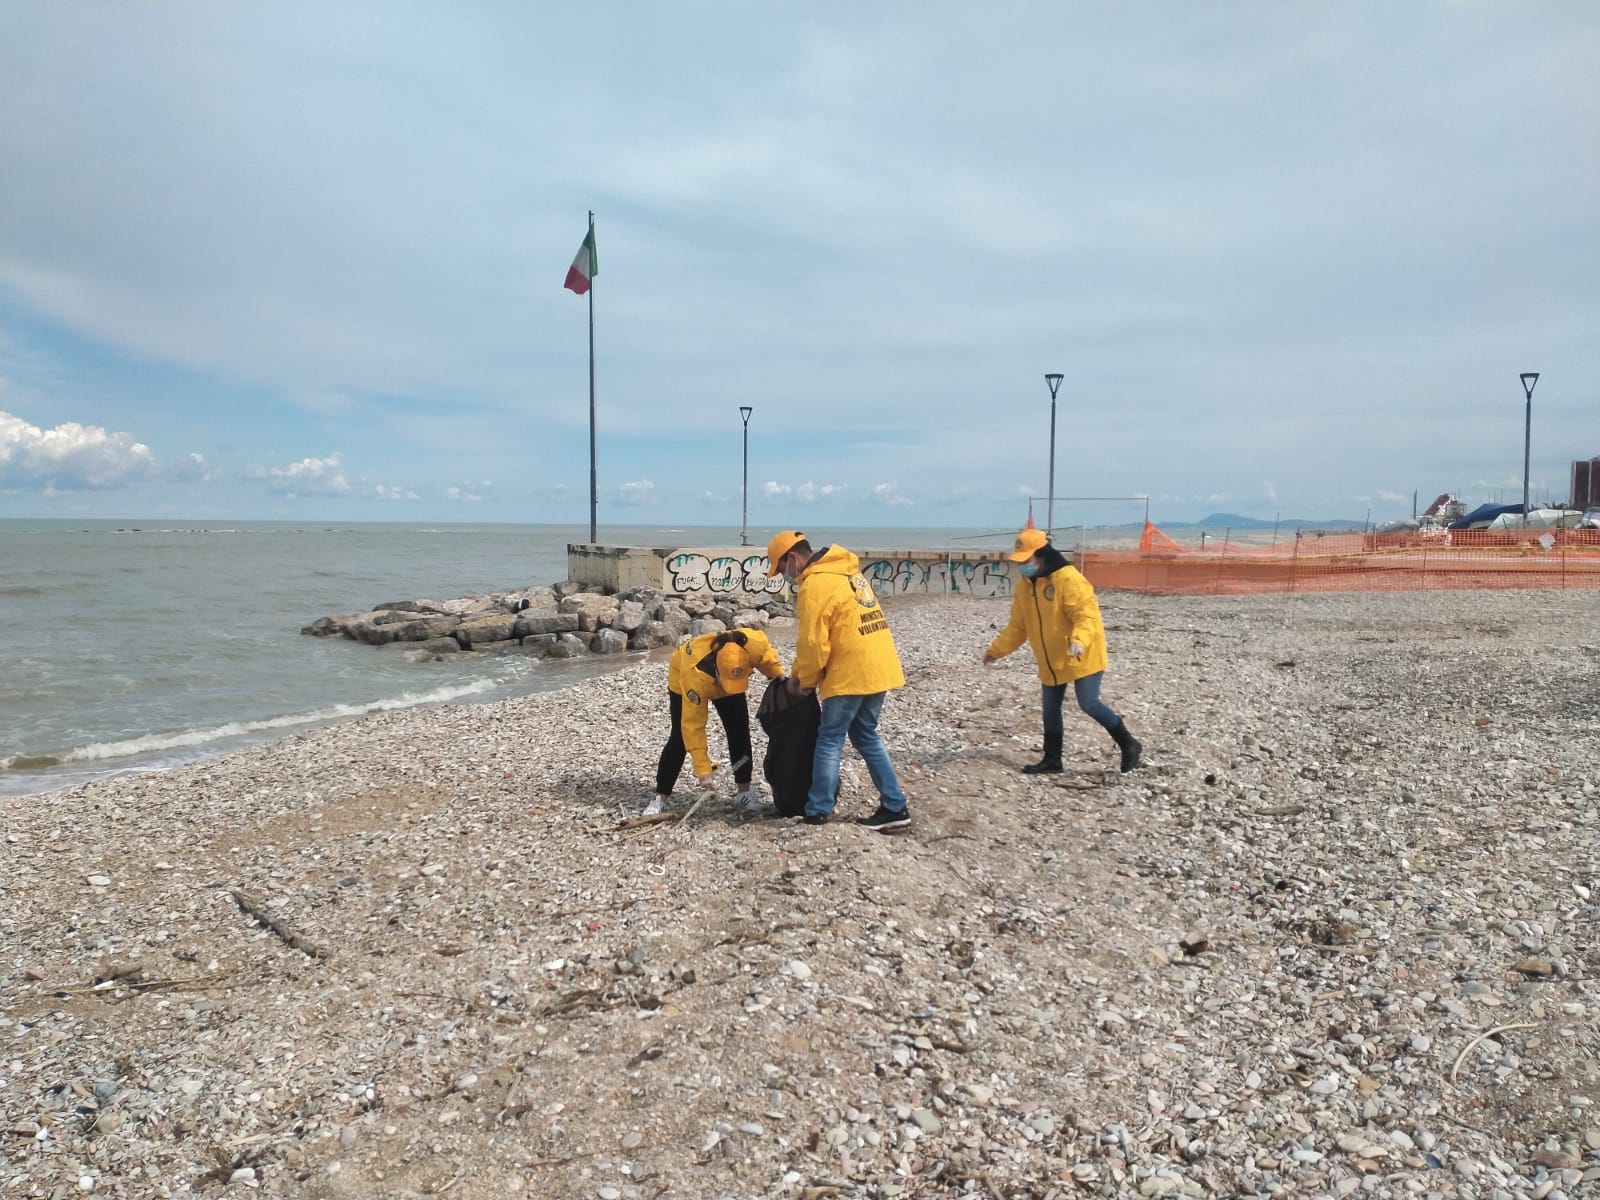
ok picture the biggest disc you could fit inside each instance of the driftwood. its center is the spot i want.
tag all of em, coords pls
(285, 931)
(695, 807)
(1487, 1033)
(649, 819)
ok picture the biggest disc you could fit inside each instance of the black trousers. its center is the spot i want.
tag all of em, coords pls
(735, 716)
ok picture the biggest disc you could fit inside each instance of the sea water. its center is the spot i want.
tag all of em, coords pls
(137, 645)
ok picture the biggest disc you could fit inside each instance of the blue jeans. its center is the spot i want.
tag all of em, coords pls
(1087, 690)
(857, 717)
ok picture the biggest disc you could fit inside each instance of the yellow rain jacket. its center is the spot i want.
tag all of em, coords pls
(1051, 612)
(843, 647)
(698, 689)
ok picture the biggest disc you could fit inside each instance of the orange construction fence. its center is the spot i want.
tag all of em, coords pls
(1414, 560)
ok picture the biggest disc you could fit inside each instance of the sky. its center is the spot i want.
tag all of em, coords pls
(305, 260)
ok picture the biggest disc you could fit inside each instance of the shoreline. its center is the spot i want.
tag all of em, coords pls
(1355, 807)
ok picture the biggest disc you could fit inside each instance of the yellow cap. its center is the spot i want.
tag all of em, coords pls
(733, 669)
(729, 666)
(1029, 542)
(780, 545)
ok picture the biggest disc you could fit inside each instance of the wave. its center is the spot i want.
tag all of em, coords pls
(192, 739)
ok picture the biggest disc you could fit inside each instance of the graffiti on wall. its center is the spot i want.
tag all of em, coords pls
(937, 576)
(694, 571)
(720, 573)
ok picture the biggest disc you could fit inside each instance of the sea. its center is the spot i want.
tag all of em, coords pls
(141, 645)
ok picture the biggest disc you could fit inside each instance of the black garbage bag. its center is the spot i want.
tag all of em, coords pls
(791, 723)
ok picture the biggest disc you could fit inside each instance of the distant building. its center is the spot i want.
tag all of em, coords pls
(1585, 484)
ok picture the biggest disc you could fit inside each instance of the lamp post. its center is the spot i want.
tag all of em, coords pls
(744, 489)
(1529, 379)
(1054, 382)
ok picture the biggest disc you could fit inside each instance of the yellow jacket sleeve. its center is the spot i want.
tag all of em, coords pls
(761, 653)
(693, 728)
(813, 642)
(1013, 634)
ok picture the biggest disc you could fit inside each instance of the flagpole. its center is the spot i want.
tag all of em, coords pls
(594, 493)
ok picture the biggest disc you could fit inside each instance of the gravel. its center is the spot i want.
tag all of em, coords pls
(1337, 937)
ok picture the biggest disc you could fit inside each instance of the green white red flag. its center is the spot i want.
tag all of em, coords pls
(584, 266)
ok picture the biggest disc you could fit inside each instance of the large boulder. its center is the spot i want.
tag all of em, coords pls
(545, 620)
(696, 604)
(415, 606)
(750, 618)
(568, 645)
(630, 615)
(592, 609)
(652, 634)
(475, 630)
(610, 641)
(675, 619)
(705, 625)
(529, 597)
(390, 625)
(337, 626)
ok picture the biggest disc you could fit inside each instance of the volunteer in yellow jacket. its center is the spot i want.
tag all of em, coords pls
(843, 650)
(713, 670)
(1053, 608)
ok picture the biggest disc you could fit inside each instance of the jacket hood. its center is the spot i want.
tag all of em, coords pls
(1052, 560)
(835, 560)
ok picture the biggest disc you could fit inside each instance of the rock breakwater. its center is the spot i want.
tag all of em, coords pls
(565, 620)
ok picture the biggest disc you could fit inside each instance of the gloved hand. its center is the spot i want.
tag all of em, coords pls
(706, 781)
(1075, 650)
(988, 659)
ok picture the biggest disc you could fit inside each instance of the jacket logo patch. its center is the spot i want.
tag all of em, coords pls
(863, 591)
(1049, 591)
(694, 696)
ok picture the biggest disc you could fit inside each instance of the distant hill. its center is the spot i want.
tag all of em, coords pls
(1235, 521)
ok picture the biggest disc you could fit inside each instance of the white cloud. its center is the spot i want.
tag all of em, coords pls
(309, 476)
(635, 493)
(884, 493)
(463, 495)
(384, 492)
(772, 488)
(1270, 491)
(1391, 497)
(193, 467)
(70, 457)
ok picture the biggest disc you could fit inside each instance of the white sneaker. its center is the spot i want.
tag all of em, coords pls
(748, 802)
(657, 803)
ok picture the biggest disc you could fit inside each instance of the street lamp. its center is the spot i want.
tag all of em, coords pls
(1529, 379)
(744, 489)
(1054, 381)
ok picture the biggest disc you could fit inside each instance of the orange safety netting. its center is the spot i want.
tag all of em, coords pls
(1413, 560)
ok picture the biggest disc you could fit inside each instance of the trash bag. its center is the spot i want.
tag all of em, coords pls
(791, 723)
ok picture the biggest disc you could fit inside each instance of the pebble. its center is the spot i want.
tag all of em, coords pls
(98, 881)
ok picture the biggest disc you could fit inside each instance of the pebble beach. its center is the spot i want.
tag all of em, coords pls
(1340, 935)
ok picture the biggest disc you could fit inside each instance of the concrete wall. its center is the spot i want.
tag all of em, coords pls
(735, 570)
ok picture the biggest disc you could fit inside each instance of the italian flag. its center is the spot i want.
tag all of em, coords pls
(584, 266)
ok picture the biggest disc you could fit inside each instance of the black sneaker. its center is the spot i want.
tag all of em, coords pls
(883, 820)
(815, 819)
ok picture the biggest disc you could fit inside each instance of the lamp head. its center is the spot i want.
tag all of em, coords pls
(1529, 379)
(1054, 380)
(744, 411)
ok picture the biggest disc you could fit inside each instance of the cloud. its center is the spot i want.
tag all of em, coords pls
(463, 495)
(772, 489)
(884, 493)
(308, 477)
(384, 492)
(193, 468)
(1391, 497)
(70, 457)
(1269, 491)
(640, 491)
